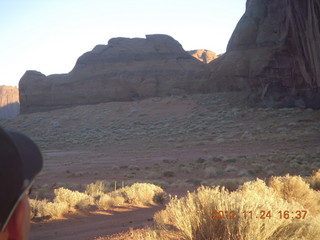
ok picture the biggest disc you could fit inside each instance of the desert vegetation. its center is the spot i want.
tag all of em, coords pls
(96, 195)
(282, 207)
(180, 143)
(206, 119)
(285, 208)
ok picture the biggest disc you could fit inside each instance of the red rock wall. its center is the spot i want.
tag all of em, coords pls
(124, 70)
(274, 54)
(9, 102)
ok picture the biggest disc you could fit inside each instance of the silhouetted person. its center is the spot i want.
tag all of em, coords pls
(20, 162)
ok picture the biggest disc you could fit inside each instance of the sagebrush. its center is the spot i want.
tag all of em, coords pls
(95, 195)
(258, 209)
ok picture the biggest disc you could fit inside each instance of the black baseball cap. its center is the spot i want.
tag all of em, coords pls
(20, 162)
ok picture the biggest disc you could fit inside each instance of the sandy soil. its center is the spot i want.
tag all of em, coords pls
(200, 139)
(95, 224)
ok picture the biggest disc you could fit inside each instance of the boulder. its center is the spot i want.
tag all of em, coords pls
(273, 54)
(123, 70)
(9, 102)
(203, 55)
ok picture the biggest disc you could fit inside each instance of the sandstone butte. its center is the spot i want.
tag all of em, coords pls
(203, 55)
(9, 102)
(273, 55)
(123, 70)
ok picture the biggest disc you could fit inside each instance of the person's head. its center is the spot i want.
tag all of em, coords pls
(20, 162)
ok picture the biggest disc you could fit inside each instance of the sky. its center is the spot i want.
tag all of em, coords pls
(49, 35)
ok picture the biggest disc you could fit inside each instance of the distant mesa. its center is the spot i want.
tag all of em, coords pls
(274, 54)
(9, 102)
(125, 69)
(203, 55)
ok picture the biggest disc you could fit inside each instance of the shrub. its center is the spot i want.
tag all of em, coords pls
(42, 192)
(210, 172)
(141, 193)
(245, 173)
(115, 168)
(314, 180)
(170, 161)
(105, 202)
(154, 175)
(229, 184)
(185, 169)
(295, 189)
(96, 189)
(257, 168)
(118, 198)
(43, 208)
(230, 168)
(66, 200)
(134, 167)
(168, 174)
(200, 160)
(194, 182)
(191, 217)
(74, 199)
(151, 234)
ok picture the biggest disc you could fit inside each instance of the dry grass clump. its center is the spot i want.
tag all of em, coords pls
(192, 218)
(97, 189)
(168, 173)
(150, 235)
(142, 193)
(210, 172)
(294, 188)
(105, 202)
(109, 200)
(74, 199)
(95, 195)
(230, 184)
(65, 201)
(314, 180)
(231, 168)
(134, 167)
(45, 209)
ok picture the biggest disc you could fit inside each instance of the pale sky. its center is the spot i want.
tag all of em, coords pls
(50, 35)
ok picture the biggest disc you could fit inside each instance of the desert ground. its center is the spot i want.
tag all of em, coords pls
(176, 142)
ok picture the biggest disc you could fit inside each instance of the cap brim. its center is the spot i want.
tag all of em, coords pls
(20, 162)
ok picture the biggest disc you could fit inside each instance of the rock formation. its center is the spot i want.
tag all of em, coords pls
(125, 69)
(9, 102)
(203, 55)
(274, 54)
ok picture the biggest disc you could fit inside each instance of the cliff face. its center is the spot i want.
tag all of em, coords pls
(203, 55)
(9, 102)
(125, 69)
(274, 54)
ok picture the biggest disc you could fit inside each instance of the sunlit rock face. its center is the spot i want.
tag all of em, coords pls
(123, 70)
(274, 54)
(9, 102)
(203, 55)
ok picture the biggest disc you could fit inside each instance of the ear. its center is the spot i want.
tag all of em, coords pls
(19, 225)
